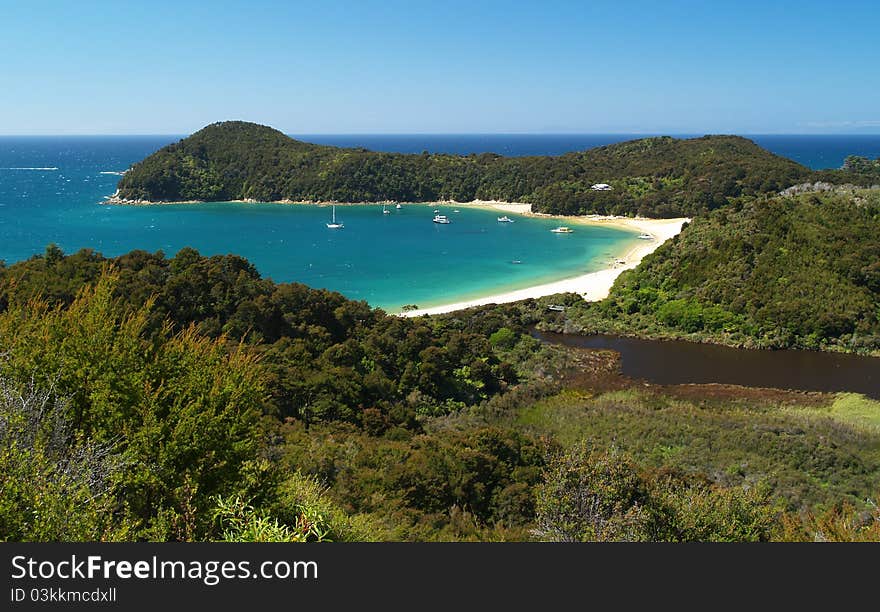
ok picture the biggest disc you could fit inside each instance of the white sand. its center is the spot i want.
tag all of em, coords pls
(593, 286)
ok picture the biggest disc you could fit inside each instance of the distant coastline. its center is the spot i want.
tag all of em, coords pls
(235, 161)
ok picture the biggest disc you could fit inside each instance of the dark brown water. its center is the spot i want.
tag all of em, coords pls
(670, 362)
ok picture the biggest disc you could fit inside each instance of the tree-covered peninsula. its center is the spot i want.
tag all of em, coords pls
(794, 271)
(657, 177)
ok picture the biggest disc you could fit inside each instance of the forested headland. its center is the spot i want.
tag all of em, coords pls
(655, 177)
(799, 271)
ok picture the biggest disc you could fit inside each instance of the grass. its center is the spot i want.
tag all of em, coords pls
(848, 409)
(811, 457)
(857, 410)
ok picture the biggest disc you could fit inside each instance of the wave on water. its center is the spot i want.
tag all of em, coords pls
(43, 169)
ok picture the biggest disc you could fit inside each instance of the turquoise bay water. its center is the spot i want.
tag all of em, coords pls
(51, 191)
(387, 260)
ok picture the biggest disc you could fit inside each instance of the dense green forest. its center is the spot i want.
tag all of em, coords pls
(186, 398)
(658, 177)
(862, 165)
(801, 271)
(329, 358)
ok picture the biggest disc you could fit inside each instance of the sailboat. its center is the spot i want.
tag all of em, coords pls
(385, 211)
(333, 224)
(398, 207)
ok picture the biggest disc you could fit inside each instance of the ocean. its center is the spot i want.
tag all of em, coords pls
(52, 189)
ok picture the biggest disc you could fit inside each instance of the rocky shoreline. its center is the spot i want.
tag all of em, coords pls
(117, 200)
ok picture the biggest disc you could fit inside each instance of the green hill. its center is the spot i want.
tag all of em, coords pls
(799, 271)
(653, 176)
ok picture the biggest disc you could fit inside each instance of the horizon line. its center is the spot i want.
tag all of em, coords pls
(349, 134)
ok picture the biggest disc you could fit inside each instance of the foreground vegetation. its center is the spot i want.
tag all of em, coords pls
(188, 399)
(651, 177)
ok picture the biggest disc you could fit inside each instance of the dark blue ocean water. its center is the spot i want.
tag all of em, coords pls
(52, 189)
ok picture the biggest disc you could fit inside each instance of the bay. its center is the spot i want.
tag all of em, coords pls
(52, 189)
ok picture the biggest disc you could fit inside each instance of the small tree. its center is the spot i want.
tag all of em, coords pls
(54, 485)
(590, 496)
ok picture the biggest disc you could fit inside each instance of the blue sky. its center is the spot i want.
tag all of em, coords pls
(163, 67)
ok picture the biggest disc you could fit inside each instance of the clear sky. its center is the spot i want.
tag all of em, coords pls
(170, 67)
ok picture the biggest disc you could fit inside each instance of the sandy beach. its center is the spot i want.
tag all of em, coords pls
(593, 286)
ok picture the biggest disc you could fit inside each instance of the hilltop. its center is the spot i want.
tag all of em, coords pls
(659, 177)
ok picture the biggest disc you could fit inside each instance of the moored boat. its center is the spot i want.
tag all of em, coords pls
(333, 224)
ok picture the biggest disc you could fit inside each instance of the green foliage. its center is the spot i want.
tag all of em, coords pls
(306, 503)
(806, 455)
(683, 314)
(55, 485)
(696, 511)
(445, 484)
(184, 409)
(783, 272)
(653, 176)
(594, 496)
(857, 410)
(327, 358)
(239, 521)
(504, 338)
(586, 497)
(304, 514)
(862, 165)
(135, 355)
(174, 371)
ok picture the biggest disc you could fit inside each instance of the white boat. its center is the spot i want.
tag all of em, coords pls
(505, 219)
(385, 211)
(456, 210)
(398, 207)
(333, 224)
(442, 219)
(436, 211)
(562, 229)
(646, 236)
